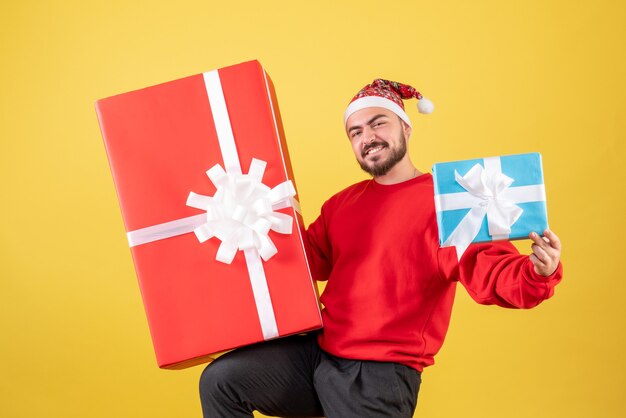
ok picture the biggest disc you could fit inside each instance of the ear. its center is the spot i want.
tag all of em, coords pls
(407, 130)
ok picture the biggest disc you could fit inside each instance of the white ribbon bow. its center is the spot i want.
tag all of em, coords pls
(241, 213)
(488, 187)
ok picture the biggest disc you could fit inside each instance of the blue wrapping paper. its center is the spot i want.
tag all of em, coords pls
(526, 191)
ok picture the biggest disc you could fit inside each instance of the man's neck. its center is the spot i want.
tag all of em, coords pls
(403, 171)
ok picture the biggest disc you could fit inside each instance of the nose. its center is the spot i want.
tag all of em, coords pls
(368, 135)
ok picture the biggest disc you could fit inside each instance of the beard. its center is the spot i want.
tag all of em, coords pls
(380, 166)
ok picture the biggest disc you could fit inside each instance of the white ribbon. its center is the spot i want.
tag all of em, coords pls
(488, 194)
(240, 213)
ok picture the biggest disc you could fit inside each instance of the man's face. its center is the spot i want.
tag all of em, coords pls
(378, 138)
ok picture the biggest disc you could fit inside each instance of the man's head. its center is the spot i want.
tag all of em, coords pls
(378, 138)
(378, 126)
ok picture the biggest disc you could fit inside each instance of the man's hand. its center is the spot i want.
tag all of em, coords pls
(546, 252)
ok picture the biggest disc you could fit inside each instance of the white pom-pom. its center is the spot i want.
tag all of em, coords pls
(425, 106)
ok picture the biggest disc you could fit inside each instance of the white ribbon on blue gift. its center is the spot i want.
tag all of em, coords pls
(240, 213)
(488, 193)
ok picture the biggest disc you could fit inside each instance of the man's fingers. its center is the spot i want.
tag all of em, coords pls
(555, 242)
(546, 252)
(539, 240)
(540, 253)
(536, 262)
(549, 241)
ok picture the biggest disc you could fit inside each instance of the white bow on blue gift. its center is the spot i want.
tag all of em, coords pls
(488, 194)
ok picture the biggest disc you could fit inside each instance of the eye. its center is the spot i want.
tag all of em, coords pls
(354, 134)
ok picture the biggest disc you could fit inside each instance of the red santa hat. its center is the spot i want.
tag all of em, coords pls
(388, 95)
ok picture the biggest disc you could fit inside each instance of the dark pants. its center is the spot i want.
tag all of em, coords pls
(293, 377)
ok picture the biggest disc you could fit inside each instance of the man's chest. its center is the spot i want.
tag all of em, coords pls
(406, 222)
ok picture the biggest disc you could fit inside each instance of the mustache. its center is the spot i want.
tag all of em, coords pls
(373, 145)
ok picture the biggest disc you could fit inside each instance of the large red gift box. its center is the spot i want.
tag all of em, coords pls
(188, 159)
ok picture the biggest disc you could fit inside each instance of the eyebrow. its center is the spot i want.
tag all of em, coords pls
(369, 122)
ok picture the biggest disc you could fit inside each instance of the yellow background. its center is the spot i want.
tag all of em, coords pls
(505, 77)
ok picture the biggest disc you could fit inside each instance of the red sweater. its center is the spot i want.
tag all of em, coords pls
(390, 287)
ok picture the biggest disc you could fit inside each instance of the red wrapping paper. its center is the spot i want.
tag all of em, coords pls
(160, 141)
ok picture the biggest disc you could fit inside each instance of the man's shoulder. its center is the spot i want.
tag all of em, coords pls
(345, 194)
(350, 190)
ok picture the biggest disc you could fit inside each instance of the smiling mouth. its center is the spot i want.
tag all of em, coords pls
(373, 149)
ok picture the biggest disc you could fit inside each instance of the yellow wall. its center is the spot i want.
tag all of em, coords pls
(506, 77)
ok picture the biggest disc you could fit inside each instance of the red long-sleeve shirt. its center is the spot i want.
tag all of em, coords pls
(390, 287)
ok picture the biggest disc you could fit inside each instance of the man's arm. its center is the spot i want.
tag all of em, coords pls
(497, 274)
(318, 248)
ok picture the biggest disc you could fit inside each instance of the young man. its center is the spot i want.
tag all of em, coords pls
(390, 289)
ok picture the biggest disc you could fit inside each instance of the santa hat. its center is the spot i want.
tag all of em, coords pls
(387, 94)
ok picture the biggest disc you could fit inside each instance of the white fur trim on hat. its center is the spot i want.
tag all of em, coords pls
(375, 101)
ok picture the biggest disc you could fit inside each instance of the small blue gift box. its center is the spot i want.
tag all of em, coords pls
(487, 199)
